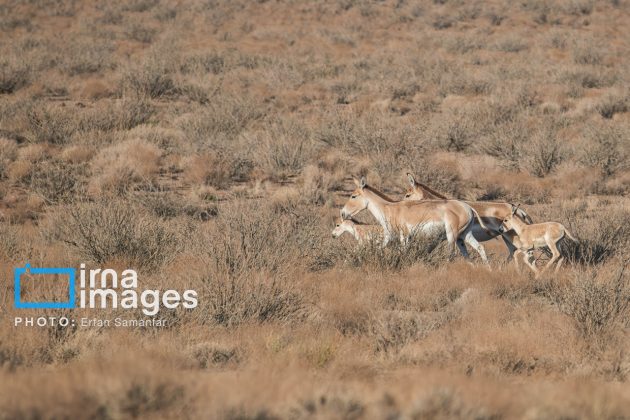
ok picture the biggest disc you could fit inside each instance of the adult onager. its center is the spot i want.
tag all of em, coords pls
(408, 217)
(361, 232)
(529, 237)
(492, 213)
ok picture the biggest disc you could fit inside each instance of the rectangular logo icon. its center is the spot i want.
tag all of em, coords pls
(65, 271)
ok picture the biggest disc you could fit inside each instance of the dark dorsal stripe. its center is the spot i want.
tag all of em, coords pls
(431, 190)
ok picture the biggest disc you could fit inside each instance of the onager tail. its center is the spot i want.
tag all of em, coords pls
(523, 215)
(573, 238)
(481, 221)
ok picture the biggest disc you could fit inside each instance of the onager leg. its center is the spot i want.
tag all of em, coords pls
(470, 240)
(555, 255)
(510, 246)
(529, 257)
(450, 237)
(404, 240)
(386, 238)
(516, 256)
(462, 248)
(558, 264)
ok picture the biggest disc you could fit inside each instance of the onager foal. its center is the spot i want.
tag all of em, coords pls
(361, 232)
(526, 238)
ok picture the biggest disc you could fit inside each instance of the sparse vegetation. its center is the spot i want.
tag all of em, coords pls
(100, 232)
(209, 145)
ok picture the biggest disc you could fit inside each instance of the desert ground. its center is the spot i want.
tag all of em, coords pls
(209, 145)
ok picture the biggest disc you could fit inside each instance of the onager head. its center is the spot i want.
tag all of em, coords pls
(418, 191)
(357, 201)
(511, 222)
(413, 193)
(342, 227)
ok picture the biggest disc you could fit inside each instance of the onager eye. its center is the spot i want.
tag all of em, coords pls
(353, 196)
(407, 195)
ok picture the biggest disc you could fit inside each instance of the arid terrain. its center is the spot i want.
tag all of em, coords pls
(209, 145)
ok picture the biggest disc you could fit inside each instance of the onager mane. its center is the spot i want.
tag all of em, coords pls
(431, 190)
(380, 194)
(359, 223)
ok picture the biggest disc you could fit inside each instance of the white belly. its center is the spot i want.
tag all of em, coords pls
(428, 228)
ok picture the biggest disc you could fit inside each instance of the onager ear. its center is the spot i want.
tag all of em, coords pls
(363, 183)
(411, 180)
(514, 208)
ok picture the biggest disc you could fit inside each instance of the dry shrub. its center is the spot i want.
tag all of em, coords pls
(586, 51)
(139, 397)
(396, 256)
(578, 7)
(284, 148)
(50, 123)
(322, 406)
(258, 238)
(119, 115)
(213, 355)
(217, 169)
(210, 62)
(230, 301)
(456, 82)
(508, 143)
(391, 330)
(137, 31)
(413, 318)
(349, 317)
(606, 148)
(138, 5)
(76, 154)
(120, 167)
(580, 78)
(143, 399)
(370, 134)
(15, 73)
(168, 139)
(443, 22)
(446, 404)
(458, 130)
(10, 358)
(8, 153)
(99, 232)
(318, 184)
(86, 56)
(217, 125)
(599, 240)
(13, 245)
(56, 181)
(462, 44)
(544, 151)
(599, 304)
(511, 44)
(612, 104)
(169, 206)
(153, 76)
(250, 255)
(200, 93)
